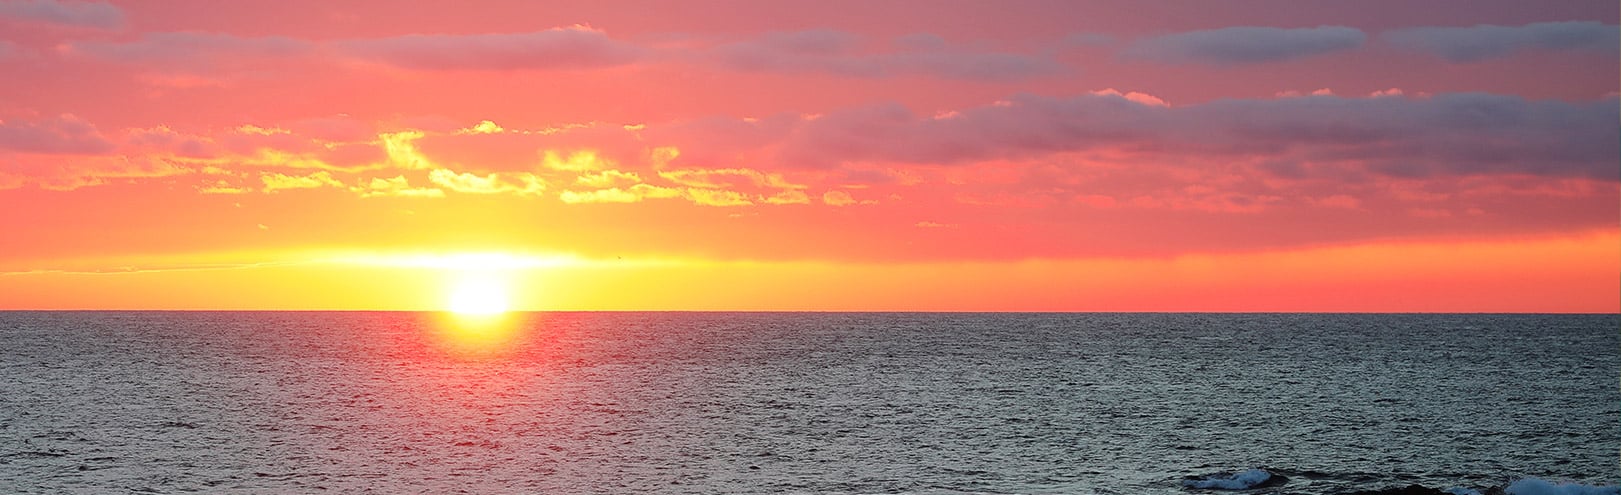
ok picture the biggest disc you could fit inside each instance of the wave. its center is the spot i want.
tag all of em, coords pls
(1257, 478)
(1242, 480)
(1533, 486)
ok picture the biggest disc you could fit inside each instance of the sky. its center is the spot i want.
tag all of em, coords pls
(1386, 156)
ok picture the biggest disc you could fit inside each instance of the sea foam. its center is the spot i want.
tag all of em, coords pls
(1243, 480)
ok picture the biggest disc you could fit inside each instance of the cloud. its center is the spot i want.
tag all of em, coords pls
(99, 15)
(842, 198)
(274, 182)
(574, 47)
(201, 59)
(844, 54)
(223, 187)
(1022, 127)
(483, 127)
(1133, 96)
(579, 161)
(1246, 45)
(607, 178)
(63, 134)
(192, 59)
(611, 195)
(397, 186)
(633, 194)
(717, 197)
(728, 177)
(790, 197)
(521, 184)
(1445, 134)
(1485, 41)
(197, 53)
(66, 173)
(639, 192)
(402, 151)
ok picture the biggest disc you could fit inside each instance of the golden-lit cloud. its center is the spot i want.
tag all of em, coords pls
(274, 182)
(717, 197)
(843, 198)
(261, 131)
(661, 157)
(632, 194)
(638, 192)
(397, 186)
(483, 127)
(402, 151)
(610, 195)
(223, 187)
(579, 161)
(788, 198)
(494, 183)
(724, 177)
(607, 179)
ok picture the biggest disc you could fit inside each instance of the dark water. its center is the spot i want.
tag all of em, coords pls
(114, 402)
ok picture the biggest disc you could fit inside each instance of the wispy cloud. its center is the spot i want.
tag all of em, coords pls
(99, 15)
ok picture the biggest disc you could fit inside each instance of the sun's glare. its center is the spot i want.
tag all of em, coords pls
(479, 296)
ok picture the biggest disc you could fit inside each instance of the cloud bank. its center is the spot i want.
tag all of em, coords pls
(1246, 45)
(1484, 42)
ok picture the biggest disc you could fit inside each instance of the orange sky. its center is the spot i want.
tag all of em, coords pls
(1054, 156)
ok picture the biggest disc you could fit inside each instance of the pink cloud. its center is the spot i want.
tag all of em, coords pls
(63, 134)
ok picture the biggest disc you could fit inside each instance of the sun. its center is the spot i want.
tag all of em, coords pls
(478, 296)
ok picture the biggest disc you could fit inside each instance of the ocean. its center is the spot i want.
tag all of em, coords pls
(382, 402)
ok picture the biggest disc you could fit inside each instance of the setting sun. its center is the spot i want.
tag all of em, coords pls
(478, 295)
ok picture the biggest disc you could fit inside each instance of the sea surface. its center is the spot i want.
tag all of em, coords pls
(336, 402)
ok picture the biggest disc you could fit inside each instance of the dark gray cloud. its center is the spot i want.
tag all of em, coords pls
(1245, 45)
(1451, 134)
(100, 15)
(1482, 42)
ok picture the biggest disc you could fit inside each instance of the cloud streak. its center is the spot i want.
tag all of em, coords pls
(845, 54)
(574, 47)
(1485, 41)
(1444, 135)
(63, 134)
(98, 15)
(1246, 45)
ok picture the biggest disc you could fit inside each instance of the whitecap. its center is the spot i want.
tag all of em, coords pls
(1231, 481)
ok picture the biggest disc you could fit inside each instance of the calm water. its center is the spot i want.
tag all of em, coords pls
(113, 402)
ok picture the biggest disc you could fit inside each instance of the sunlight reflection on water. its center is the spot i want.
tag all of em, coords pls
(830, 403)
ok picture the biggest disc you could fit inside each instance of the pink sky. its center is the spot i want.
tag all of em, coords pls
(860, 135)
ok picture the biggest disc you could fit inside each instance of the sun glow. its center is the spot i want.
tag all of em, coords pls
(479, 296)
